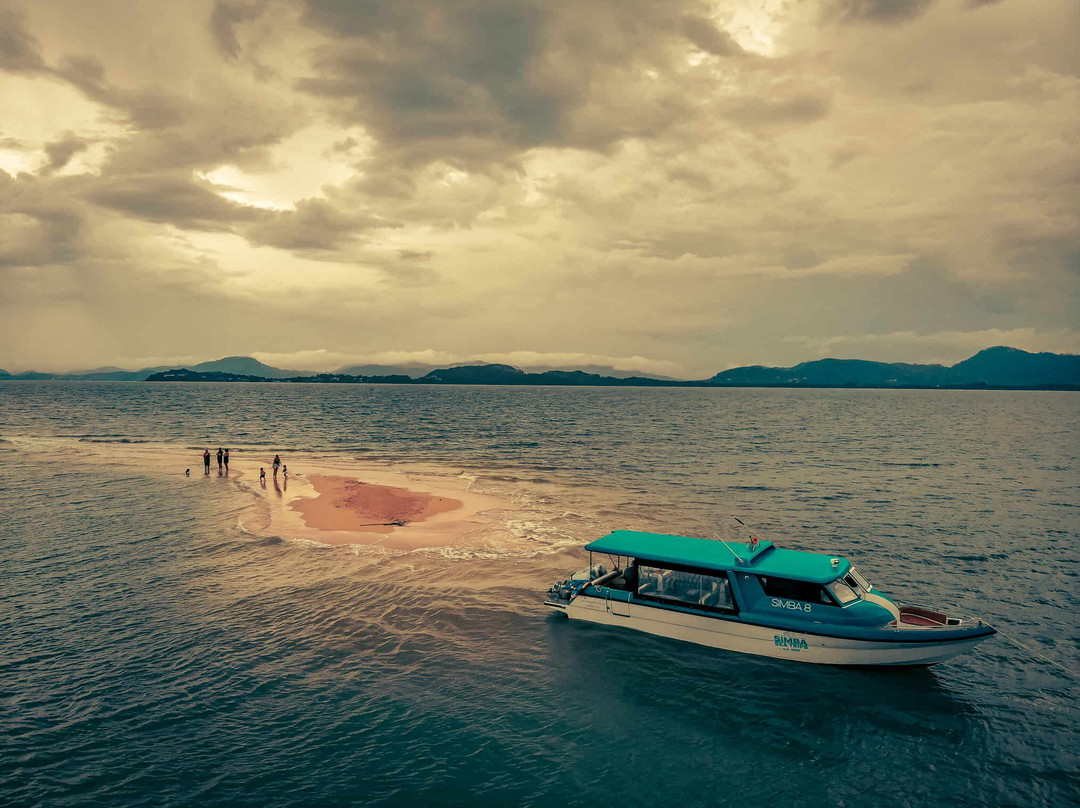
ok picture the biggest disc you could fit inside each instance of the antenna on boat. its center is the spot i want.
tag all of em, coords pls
(753, 543)
(738, 557)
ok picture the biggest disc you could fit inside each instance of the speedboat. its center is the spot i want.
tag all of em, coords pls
(759, 599)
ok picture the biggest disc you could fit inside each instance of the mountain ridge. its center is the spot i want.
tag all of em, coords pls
(997, 367)
(992, 367)
(247, 366)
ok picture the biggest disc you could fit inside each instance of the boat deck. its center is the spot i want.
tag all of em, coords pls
(921, 616)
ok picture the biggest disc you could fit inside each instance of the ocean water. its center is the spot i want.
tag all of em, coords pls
(154, 651)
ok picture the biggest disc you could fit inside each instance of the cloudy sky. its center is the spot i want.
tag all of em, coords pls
(672, 186)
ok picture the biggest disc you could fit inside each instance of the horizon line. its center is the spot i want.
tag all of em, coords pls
(524, 367)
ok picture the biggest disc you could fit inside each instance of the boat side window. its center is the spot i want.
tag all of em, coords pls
(684, 587)
(795, 590)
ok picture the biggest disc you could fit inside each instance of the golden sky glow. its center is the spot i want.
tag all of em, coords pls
(669, 186)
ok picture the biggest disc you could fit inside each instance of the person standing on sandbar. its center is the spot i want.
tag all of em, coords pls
(206, 462)
(277, 465)
(220, 455)
(226, 461)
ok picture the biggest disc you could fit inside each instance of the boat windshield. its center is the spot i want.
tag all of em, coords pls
(851, 587)
(844, 593)
(862, 582)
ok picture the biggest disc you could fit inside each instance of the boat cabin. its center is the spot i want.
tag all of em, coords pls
(726, 579)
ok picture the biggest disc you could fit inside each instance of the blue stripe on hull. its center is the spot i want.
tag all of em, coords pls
(875, 633)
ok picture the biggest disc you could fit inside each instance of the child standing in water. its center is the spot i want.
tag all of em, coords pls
(262, 476)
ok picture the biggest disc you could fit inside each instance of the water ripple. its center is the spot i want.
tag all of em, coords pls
(153, 652)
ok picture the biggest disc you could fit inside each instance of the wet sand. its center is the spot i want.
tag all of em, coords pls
(338, 506)
(344, 504)
(340, 501)
(352, 511)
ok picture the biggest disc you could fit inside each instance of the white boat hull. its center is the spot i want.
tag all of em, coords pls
(747, 638)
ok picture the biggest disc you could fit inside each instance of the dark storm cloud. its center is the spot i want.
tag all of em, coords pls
(210, 137)
(39, 225)
(482, 82)
(316, 225)
(19, 50)
(384, 180)
(885, 12)
(224, 19)
(344, 146)
(709, 38)
(61, 151)
(443, 82)
(147, 108)
(174, 199)
(172, 129)
(155, 109)
(87, 73)
(150, 170)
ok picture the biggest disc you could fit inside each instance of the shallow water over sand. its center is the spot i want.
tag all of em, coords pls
(158, 646)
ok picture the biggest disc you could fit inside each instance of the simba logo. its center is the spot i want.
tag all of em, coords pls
(780, 603)
(793, 643)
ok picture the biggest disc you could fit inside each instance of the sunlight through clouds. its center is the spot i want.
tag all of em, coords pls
(300, 167)
(690, 184)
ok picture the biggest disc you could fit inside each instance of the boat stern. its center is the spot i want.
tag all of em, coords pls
(562, 593)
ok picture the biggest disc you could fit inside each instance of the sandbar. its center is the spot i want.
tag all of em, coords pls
(344, 501)
(353, 505)
(337, 503)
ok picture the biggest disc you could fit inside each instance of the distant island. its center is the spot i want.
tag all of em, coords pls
(464, 374)
(998, 368)
(1001, 368)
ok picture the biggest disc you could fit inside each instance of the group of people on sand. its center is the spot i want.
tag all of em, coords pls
(222, 461)
(278, 466)
(223, 466)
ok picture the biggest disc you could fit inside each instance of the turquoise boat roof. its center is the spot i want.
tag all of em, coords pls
(715, 555)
